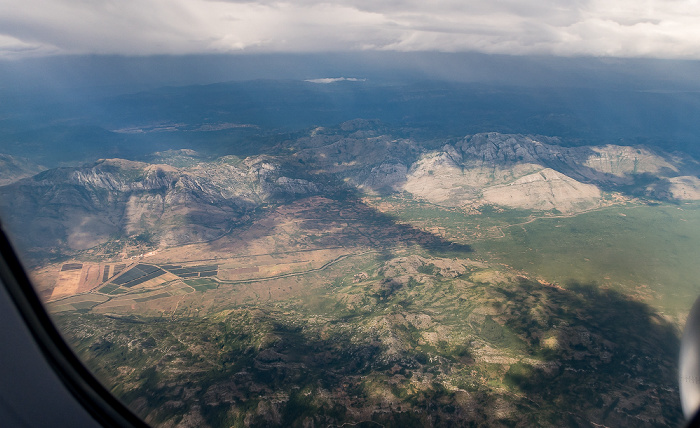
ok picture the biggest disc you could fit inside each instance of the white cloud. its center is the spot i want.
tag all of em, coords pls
(326, 80)
(624, 28)
(14, 47)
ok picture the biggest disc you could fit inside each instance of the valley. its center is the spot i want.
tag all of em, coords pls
(352, 276)
(377, 334)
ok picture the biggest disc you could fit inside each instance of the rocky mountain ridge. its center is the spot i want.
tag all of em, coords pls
(185, 198)
(78, 208)
(517, 171)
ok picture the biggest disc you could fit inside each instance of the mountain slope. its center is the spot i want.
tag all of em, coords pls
(186, 198)
(78, 208)
(535, 173)
(13, 169)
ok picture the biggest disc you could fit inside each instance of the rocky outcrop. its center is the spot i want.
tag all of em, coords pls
(78, 208)
(538, 173)
(386, 176)
(685, 187)
(189, 199)
(358, 152)
(544, 190)
(489, 168)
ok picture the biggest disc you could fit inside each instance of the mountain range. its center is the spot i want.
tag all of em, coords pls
(181, 197)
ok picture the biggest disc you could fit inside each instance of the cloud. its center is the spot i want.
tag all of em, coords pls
(618, 28)
(326, 80)
(13, 47)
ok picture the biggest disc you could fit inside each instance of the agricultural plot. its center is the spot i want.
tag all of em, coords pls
(179, 288)
(71, 266)
(74, 278)
(60, 306)
(202, 284)
(240, 271)
(207, 273)
(118, 268)
(192, 271)
(165, 277)
(105, 274)
(276, 264)
(150, 280)
(91, 277)
(138, 275)
(67, 282)
(84, 306)
(81, 303)
(164, 299)
(109, 288)
(152, 297)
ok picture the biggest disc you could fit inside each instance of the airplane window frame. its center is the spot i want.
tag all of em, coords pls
(107, 410)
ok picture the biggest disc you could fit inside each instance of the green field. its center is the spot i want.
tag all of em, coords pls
(655, 248)
(537, 314)
(202, 284)
(85, 305)
(108, 289)
(460, 226)
(647, 250)
(152, 297)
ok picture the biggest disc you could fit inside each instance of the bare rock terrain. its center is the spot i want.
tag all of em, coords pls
(537, 173)
(78, 208)
(186, 198)
(544, 190)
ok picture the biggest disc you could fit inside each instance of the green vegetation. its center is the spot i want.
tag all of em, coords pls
(442, 316)
(108, 289)
(499, 335)
(363, 309)
(649, 251)
(152, 297)
(84, 306)
(202, 284)
(391, 346)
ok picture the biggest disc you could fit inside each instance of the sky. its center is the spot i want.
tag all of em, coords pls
(605, 28)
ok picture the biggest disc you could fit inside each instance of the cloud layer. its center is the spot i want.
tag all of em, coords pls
(617, 28)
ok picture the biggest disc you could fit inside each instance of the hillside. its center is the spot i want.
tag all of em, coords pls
(359, 273)
(76, 208)
(188, 198)
(13, 169)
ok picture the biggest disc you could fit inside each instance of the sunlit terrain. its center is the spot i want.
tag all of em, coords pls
(359, 214)
(369, 273)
